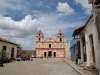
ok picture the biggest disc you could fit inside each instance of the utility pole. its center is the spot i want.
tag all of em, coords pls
(96, 16)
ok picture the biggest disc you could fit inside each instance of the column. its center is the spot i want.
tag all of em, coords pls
(81, 48)
(87, 50)
(47, 54)
(52, 53)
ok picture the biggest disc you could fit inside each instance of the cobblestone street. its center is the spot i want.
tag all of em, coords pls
(45, 66)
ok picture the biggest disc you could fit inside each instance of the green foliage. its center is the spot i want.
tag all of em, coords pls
(24, 52)
(4, 53)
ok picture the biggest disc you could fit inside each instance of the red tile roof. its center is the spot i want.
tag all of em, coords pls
(7, 41)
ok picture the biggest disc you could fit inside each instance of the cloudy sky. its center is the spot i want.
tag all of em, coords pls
(20, 20)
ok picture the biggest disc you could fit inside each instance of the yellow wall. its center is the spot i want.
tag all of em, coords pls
(67, 49)
(9, 47)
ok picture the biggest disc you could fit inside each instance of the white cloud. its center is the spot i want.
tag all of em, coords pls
(86, 7)
(11, 4)
(65, 8)
(19, 28)
(23, 31)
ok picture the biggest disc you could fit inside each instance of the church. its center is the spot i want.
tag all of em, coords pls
(50, 47)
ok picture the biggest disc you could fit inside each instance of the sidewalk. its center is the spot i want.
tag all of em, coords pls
(80, 70)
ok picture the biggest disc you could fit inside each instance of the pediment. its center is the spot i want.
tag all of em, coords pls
(49, 40)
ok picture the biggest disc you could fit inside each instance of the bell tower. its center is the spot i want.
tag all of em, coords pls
(60, 36)
(39, 36)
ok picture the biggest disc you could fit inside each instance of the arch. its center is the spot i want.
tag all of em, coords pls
(60, 34)
(4, 47)
(39, 34)
(49, 54)
(54, 54)
(60, 39)
(45, 54)
(39, 39)
(49, 45)
(12, 52)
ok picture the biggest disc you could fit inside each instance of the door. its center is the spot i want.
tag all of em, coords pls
(54, 54)
(49, 54)
(12, 52)
(45, 54)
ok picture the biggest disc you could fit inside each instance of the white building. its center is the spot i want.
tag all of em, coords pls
(89, 42)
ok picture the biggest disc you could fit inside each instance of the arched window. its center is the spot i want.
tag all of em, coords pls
(39, 34)
(4, 47)
(60, 39)
(60, 34)
(39, 39)
(49, 45)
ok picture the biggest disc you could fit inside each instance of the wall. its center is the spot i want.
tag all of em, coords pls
(73, 48)
(67, 49)
(90, 29)
(9, 47)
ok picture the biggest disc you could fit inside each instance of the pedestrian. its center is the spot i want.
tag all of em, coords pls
(76, 56)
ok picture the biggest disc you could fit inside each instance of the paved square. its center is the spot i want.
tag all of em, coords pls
(45, 66)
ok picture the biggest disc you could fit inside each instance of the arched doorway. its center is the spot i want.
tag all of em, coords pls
(45, 54)
(54, 54)
(12, 52)
(49, 54)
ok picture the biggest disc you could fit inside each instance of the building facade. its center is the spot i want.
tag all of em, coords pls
(50, 47)
(67, 49)
(89, 43)
(73, 49)
(9, 47)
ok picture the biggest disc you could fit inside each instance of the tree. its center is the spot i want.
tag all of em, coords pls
(3, 53)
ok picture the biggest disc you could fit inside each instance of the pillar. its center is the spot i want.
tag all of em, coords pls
(87, 50)
(81, 48)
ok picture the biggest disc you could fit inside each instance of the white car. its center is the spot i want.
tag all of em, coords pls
(18, 59)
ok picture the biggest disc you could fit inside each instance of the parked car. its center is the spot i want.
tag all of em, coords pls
(18, 59)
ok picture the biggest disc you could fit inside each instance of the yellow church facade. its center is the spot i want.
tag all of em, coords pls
(50, 47)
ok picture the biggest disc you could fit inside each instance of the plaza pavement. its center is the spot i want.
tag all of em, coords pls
(45, 66)
(80, 70)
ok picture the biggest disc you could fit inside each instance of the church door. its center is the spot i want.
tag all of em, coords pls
(49, 54)
(54, 54)
(45, 54)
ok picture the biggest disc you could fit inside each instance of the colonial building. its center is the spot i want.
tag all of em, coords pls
(9, 47)
(89, 43)
(50, 47)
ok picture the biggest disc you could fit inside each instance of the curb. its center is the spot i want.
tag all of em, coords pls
(74, 68)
